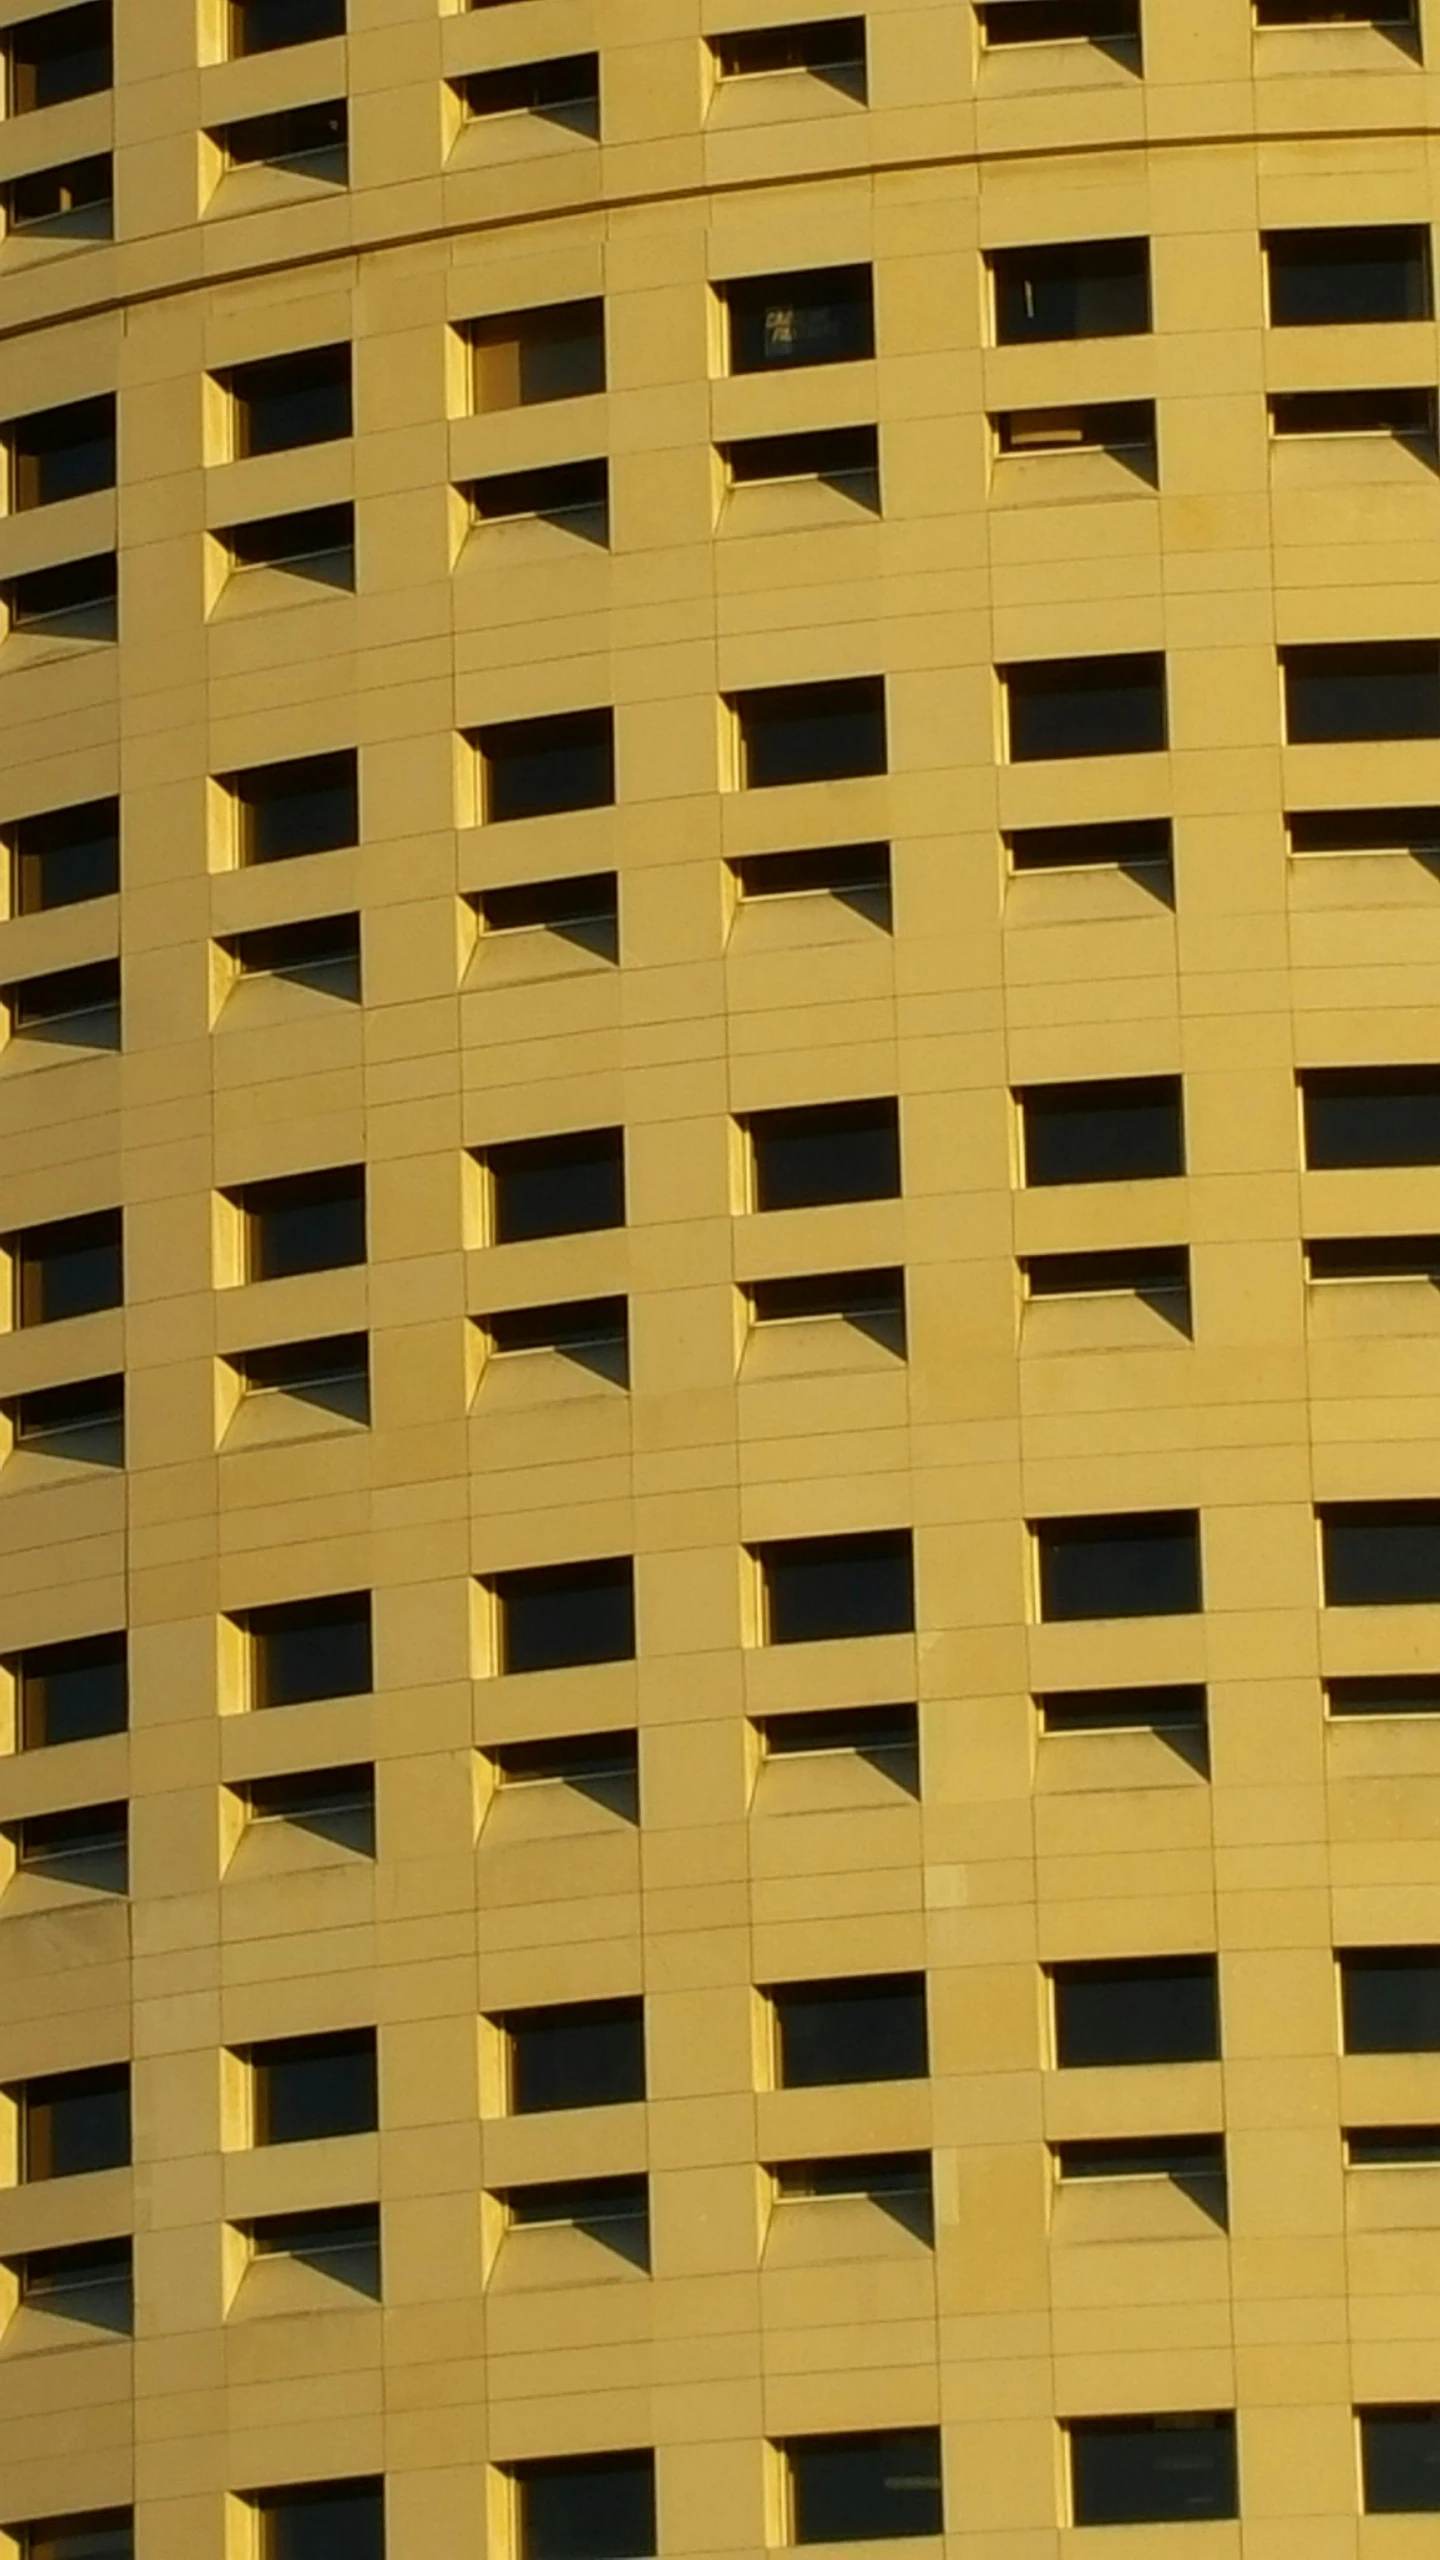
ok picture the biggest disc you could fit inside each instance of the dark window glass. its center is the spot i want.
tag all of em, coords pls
(78, 600)
(1062, 707)
(1073, 289)
(1154, 1272)
(105, 2534)
(824, 46)
(1390, 1999)
(566, 88)
(1393, 1694)
(306, 1649)
(72, 1692)
(1103, 22)
(317, 542)
(561, 1186)
(1133, 844)
(284, 401)
(872, 1301)
(613, 2209)
(552, 1617)
(64, 56)
(596, 2506)
(72, 201)
(290, 138)
(826, 316)
(1407, 415)
(1175, 1708)
(898, 2179)
(309, 2088)
(75, 2122)
(334, 1804)
(1128, 1564)
(77, 1008)
(817, 1589)
(1393, 2146)
(587, 2053)
(1324, 279)
(1371, 689)
(573, 495)
(92, 2283)
(326, 2520)
(1121, 1129)
(1185, 2157)
(1164, 2470)
(539, 768)
(84, 1423)
(263, 26)
(304, 1222)
(1400, 2460)
(825, 1152)
(1372, 1258)
(523, 358)
(1364, 830)
(828, 2034)
(1335, 13)
(1380, 1555)
(603, 1766)
(321, 952)
(811, 732)
(63, 856)
(887, 1737)
(584, 910)
(1136, 2009)
(857, 874)
(88, 1846)
(593, 1332)
(309, 805)
(842, 457)
(1360, 1116)
(1119, 427)
(866, 2488)
(343, 2243)
(69, 1268)
(61, 453)
(331, 1373)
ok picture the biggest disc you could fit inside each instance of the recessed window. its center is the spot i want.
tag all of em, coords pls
(872, 1302)
(264, 26)
(582, 2053)
(787, 733)
(563, 90)
(315, 542)
(1131, 844)
(1380, 1555)
(856, 875)
(523, 358)
(1336, 1258)
(1069, 707)
(592, 2506)
(564, 1186)
(83, 1423)
(1403, 1693)
(314, 2088)
(92, 2284)
(830, 2034)
(1071, 289)
(573, 495)
(1358, 1117)
(1330, 279)
(323, 2520)
(71, 1267)
(1121, 1129)
(1415, 831)
(53, 59)
(330, 1376)
(79, 600)
(1188, 2159)
(593, 1332)
(887, 1737)
(337, 1805)
(1400, 2459)
(833, 49)
(819, 1154)
(603, 1767)
(281, 402)
(310, 804)
(1124, 427)
(1407, 416)
(1020, 22)
(881, 2486)
(540, 768)
(823, 316)
(1129, 1564)
(74, 1008)
(557, 1617)
(1136, 2009)
(1174, 1708)
(302, 1222)
(1335, 13)
(1390, 1999)
(74, 201)
(55, 454)
(301, 1650)
(319, 952)
(1393, 2146)
(87, 1845)
(613, 2210)
(899, 2182)
(820, 1590)
(62, 857)
(843, 457)
(1153, 1272)
(71, 1692)
(342, 2243)
(1173, 2469)
(310, 141)
(74, 2123)
(1342, 691)
(104, 2534)
(584, 910)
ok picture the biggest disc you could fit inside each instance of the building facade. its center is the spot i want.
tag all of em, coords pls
(720, 1176)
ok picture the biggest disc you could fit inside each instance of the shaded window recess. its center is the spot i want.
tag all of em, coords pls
(92, 2284)
(74, 2123)
(603, 1767)
(74, 201)
(311, 141)
(613, 2210)
(1175, 1708)
(1112, 25)
(333, 1804)
(1065, 707)
(312, 2088)
(55, 454)
(104, 2534)
(1189, 2160)
(856, 875)
(1330, 1258)
(828, 2035)
(1157, 1273)
(1124, 428)
(1119, 1129)
(564, 90)
(309, 804)
(845, 458)
(1394, 15)
(324, 2520)
(62, 857)
(281, 402)
(823, 316)
(342, 2242)
(50, 60)
(570, 1185)
(593, 1332)
(1390, 1999)
(72, 1267)
(1333, 279)
(320, 952)
(1406, 416)
(1400, 2459)
(71, 1692)
(84, 1423)
(521, 359)
(1380, 1555)
(1415, 831)
(1341, 691)
(538, 768)
(887, 1737)
(873, 1302)
(832, 49)
(1140, 845)
(1393, 2146)
(302, 1222)
(1357, 1117)
(1071, 289)
(315, 542)
(79, 600)
(264, 26)
(879, 2486)
(1405, 1693)
(1135, 1564)
(583, 2053)
(819, 1154)
(899, 2182)
(573, 495)
(75, 1008)
(584, 909)
(1140, 2009)
(590, 2506)
(1174, 2469)
(332, 1374)
(558, 1617)
(789, 733)
(87, 1845)
(819, 1590)
(300, 1650)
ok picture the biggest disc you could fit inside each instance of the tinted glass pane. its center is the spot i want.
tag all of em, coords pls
(292, 400)
(1143, 1564)
(65, 855)
(817, 1589)
(872, 2029)
(107, 2536)
(1086, 707)
(71, 1268)
(310, 805)
(559, 1615)
(1153, 2470)
(600, 2507)
(561, 352)
(342, 2520)
(1328, 278)
(1380, 1554)
(1076, 289)
(1381, 689)
(588, 2055)
(310, 2087)
(87, 1847)
(824, 317)
(536, 768)
(867, 2488)
(841, 1151)
(812, 732)
(1400, 2461)
(63, 453)
(1126, 1129)
(71, 1692)
(1164, 2009)
(56, 58)
(76, 2122)
(558, 1186)
(1371, 1116)
(310, 1222)
(1391, 2000)
(311, 1649)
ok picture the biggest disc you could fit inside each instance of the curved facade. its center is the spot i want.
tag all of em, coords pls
(718, 1139)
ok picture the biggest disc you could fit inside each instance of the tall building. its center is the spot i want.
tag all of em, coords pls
(720, 1171)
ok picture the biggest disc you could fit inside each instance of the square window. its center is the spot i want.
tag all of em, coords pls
(76, 600)
(104, 2534)
(1117, 1129)
(74, 2122)
(311, 804)
(1071, 289)
(1330, 279)
(542, 768)
(71, 1692)
(790, 733)
(264, 26)
(280, 403)
(1175, 2469)
(1059, 708)
(583, 2053)
(522, 359)
(314, 2088)
(83, 1424)
(832, 2034)
(822, 1590)
(301, 1650)
(1400, 2460)
(74, 201)
(573, 1184)
(92, 2284)
(303, 1222)
(558, 1617)
(1129, 1564)
(1380, 1555)
(593, 2506)
(1390, 1999)
(1358, 1117)
(876, 2487)
(56, 58)
(1341, 692)
(1112, 2014)
(87, 1846)
(825, 315)
(55, 454)
(323, 2520)
(72, 1267)
(825, 1152)
(62, 857)
(74, 1008)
